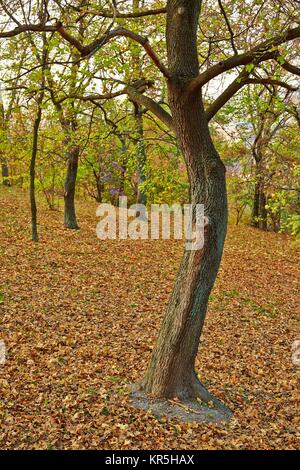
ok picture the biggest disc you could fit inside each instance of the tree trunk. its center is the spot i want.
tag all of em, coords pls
(70, 188)
(171, 372)
(256, 206)
(68, 121)
(172, 368)
(263, 211)
(33, 206)
(140, 156)
(123, 167)
(259, 211)
(5, 175)
(100, 189)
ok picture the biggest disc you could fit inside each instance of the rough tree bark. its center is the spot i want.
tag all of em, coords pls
(263, 211)
(171, 372)
(259, 212)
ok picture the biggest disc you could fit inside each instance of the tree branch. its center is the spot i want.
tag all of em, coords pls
(264, 51)
(227, 94)
(271, 81)
(228, 26)
(109, 14)
(123, 32)
(28, 27)
(88, 50)
(236, 85)
(151, 105)
(135, 94)
(289, 67)
(92, 97)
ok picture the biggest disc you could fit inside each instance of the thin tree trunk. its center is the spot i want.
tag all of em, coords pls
(256, 206)
(5, 118)
(100, 188)
(5, 174)
(141, 156)
(263, 225)
(68, 121)
(259, 217)
(70, 219)
(33, 206)
(99, 181)
(123, 168)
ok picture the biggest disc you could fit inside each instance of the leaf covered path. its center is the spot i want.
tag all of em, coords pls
(79, 317)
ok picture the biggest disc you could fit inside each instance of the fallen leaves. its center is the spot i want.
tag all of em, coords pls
(79, 318)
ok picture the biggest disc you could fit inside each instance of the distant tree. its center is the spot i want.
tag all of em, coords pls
(6, 113)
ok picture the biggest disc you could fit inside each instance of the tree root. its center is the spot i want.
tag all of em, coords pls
(194, 403)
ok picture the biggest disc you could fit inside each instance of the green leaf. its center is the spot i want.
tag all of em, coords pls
(250, 67)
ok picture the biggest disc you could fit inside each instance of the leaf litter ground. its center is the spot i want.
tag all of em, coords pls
(79, 318)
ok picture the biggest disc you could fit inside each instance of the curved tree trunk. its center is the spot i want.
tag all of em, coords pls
(70, 188)
(172, 368)
(171, 372)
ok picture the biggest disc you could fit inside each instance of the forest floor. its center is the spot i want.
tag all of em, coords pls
(79, 317)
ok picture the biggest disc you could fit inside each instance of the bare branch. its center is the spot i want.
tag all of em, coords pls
(242, 80)
(228, 26)
(92, 97)
(123, 32)
(271, 81)
(289, 67)
(109, 14)
(28, 27)
(88, 50)
(135, 93)
(264, 51)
